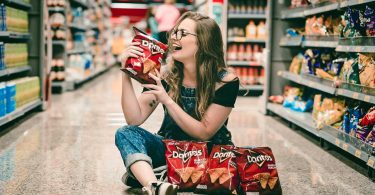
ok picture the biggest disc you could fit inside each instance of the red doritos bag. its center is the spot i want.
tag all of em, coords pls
(186, 162)
(257, 170)
(139, 68)
(221, 176)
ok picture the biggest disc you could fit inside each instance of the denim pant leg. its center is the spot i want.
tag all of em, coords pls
(137, 144)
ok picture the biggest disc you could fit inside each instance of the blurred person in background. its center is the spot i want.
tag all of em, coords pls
(166, 15)
(152, 24)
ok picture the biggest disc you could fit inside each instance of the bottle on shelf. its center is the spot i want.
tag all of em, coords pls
(241, 52)
(250, 7)
(251, 30)
(248, 53)
(261, 30)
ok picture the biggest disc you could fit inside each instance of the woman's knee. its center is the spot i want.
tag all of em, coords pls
(125, 132)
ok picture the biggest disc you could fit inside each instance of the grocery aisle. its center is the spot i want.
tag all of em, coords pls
(69, 149)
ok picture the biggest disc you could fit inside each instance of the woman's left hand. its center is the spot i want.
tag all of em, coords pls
(158, 89)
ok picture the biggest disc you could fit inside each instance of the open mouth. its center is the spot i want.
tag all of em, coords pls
(176, 47)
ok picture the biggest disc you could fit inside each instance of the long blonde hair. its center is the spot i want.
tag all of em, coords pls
(209, 62)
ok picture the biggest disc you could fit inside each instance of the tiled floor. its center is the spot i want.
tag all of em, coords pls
(69, 149)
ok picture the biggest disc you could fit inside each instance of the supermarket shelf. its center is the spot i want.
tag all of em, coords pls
(302, 12)
(77, 51)
(293, 13)
(244, 63)
(309, 81)
(14, 36)
(322, 44)
(348, 3)
(350, 144)
(79, 3)
(302, 119)
(11, 71)
(357, 44)
(321, 9)
(247, 16)
(291, 41)
(18, 4)
(358, 48)
(371, 162)
(56, 9)
(19, 112)
(310, 41)
(356, 95)
(245, 40)
(59, 43)
(252, 87)
(76, 27)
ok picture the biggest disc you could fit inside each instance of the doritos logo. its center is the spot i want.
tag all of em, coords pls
(185, 155)
(154, 48)
(259, 160)
(223, 155)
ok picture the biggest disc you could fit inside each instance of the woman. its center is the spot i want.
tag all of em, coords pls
(197, 93)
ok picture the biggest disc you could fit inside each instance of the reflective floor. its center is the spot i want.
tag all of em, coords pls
(69, 149)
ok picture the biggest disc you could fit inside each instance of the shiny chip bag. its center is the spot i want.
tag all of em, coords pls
(187, 162)
(257, 170)
(154, 53)
(221, 176)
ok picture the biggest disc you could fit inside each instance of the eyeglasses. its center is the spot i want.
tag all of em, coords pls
(179, 33)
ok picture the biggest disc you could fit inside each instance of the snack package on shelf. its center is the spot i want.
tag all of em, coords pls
(327, 112)
(187, 163)
(291, 96)
(279, 99)
(296, 64)
(139, 68)
(365, 124)
(369, 15)
(257, 170)
(366, 65)
(351, 119)
(221, 176)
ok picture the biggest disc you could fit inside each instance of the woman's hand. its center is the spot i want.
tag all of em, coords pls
(158, 89)
(133, 50)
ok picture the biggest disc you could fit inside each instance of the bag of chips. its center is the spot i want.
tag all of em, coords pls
(139, 68)
(221, 176)
(257, 170)
(187, 162)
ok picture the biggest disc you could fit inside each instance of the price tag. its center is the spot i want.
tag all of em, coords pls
(367, 98)
(355, 95)
(345, 147)
(357, 153)
(357, 49)
(371, 162)
(360, 1)
(337, 142)
(311, 84)
(279, 73)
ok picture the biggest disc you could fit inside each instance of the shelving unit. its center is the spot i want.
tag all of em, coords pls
(236, 19)
(12, 71)
(278, 75)
(80, 49)
(36, 56)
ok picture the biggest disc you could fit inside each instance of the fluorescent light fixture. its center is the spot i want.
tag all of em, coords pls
(129, 6)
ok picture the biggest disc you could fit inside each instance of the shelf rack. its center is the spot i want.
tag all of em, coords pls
(278, 75)
(36, 56)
